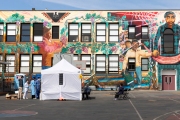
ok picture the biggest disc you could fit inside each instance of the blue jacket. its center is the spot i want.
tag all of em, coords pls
(33, 87)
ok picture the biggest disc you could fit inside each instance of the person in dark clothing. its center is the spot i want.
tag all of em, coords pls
(38, 87)
(20, 87)
(86, 91)
(120, 91)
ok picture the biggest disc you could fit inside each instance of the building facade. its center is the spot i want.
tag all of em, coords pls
(29, 39)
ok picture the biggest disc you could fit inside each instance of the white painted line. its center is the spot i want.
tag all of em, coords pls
(23, 107)
(166, 114)
(174, 100)
(132, 95)
(136, 110)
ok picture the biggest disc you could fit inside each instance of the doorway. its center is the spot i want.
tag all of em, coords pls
(168, 82)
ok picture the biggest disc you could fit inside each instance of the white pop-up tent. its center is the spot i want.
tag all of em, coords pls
(61, 81)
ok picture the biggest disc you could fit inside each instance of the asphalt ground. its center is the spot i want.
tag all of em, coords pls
(142, 105)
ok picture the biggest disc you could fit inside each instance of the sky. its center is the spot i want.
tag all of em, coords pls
(89, 4)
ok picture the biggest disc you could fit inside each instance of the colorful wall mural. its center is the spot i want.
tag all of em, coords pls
(140, 38)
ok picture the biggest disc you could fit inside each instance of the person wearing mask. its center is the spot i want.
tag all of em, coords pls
(20, 87)
(38, 87)
(26, 87)
(33, 88)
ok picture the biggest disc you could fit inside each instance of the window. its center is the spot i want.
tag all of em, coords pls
(1, 59)
(38, 32)
(113, 32)
(25, 32)
(52, 58)
(61, 79)
(86, 32)
(75, 57)
(100, 63)
(1, 32)
(55, 32)
(168, 42)
(131, 33)
(11, 33)
(73, 33)
(113, 64)
(37, 63)
(10, 67)
(131, 64)
(24, 63)
(87, 58)
(100, 32)
(144, 32)
(144, 64)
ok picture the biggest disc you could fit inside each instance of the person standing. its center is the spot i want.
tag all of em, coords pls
(26, 87)
(33, 88)
(20, 87)
(38, 87)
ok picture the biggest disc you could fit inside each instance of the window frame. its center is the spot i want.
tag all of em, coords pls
(85, 33)
(55, 32)
(100, 72)
(134, 37)
(6, 65)
(2, 36)
(100, 29)
(168, 41)
(21, 35)
(36, 60)
(147, 37)
(76, 55)
(133, 63)
(87, 65)
(113, 61)
(73, 29)
(1, 66)
(24, 61)
(36, 31)
(145, 64)
(10, 30)
(113, 35)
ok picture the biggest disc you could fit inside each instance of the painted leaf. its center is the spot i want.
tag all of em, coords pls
(64, 50)
(78, 51)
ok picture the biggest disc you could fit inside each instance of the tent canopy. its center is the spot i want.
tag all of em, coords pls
(62, 67)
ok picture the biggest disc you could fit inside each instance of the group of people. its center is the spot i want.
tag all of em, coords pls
(35, 86)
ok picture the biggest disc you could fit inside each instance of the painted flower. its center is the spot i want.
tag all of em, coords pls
(114, 48)
(63, 39)
(71, 49)
(17, 23)
(92, 19)
(45, 23)
(32, 48)
(85, 49)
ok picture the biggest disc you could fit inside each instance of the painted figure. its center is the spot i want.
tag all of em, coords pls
(121, 59)
(33, 88)
(170, 23)
(49, 46)
(137, 54)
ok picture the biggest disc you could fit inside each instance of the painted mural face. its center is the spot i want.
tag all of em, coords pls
(135, 46)
(170, 19)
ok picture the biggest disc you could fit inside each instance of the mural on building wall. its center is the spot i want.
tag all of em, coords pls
(156, 21)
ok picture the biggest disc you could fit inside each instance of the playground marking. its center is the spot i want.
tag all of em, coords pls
(23, 107)
(174, 100)
(136, 110)
(132, 95)
(176, 112)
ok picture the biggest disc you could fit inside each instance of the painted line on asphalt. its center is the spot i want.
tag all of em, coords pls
(132, 95)
(174, 100)
(167, 114)
(136, 110)
(23, 107)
